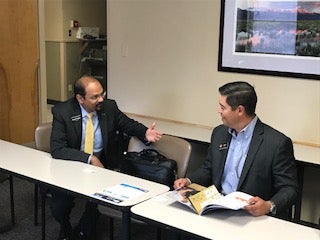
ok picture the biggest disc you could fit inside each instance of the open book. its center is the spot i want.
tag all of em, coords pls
(203, 200)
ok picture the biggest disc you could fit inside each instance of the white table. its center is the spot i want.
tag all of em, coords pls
(219, 225)
(75, 177)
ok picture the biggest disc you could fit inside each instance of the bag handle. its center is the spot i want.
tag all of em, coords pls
(152, 155)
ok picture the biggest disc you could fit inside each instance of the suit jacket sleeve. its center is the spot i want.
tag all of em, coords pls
(119, 121)
(112, 122)
(66, 132)
(269, 171)
(284, 176)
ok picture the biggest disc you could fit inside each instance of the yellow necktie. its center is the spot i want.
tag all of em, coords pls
(88, 142)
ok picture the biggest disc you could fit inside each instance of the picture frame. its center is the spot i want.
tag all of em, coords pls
(270, 38)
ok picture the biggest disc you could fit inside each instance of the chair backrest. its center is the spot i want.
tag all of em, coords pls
(172, 147)
(42, 136)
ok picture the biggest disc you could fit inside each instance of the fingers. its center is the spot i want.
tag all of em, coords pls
(153, 125)
(158, 136)
(96, 162)
(179, 183)
(257, 207)
(153, 135)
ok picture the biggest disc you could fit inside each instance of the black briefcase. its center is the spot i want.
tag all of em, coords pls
(151, 165)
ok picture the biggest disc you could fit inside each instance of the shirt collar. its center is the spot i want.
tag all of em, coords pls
(84, 113)
(247, 130)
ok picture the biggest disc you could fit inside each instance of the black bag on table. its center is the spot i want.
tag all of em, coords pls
(151, 165)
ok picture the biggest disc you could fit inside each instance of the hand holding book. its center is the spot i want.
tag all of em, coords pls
(202, 199)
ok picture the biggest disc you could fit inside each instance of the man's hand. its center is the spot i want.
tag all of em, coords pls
(153, 135)
(181, 182)
(96, 162)
(258, 207)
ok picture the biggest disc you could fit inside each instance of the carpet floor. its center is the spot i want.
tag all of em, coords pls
(24, 228)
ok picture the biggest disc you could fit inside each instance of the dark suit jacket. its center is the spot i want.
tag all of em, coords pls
(67, 129)
(269, 170)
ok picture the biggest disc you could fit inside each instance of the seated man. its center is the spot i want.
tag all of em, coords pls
(84, 129)
(249, 156)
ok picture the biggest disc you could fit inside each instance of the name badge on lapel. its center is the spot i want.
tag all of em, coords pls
(75, 118)
(223, 146)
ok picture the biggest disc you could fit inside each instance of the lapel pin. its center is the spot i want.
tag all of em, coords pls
(223, 146)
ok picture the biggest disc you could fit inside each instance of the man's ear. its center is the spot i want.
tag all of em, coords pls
(241, 109)
(79, 98)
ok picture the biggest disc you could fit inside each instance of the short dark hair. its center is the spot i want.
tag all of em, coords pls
(240, 93)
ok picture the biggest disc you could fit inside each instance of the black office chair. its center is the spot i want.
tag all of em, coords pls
(42, 141)
(5, 177)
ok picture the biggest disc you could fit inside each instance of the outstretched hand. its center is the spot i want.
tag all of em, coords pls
(153, 135)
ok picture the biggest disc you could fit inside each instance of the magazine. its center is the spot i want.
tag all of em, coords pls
(203, 200)
(119, 193)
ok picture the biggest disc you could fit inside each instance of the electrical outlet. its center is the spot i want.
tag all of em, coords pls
(70, 87)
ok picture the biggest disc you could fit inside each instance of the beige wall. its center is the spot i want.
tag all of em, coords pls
(53, 19)
(164, 55)
(162, 62)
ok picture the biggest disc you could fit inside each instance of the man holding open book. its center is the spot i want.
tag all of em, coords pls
(249, 156)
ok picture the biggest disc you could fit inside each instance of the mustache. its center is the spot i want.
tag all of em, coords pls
(99, 105)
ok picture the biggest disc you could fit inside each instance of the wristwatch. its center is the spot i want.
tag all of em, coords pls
(273, 208)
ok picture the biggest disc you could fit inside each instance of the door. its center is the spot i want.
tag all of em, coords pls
(18, 70)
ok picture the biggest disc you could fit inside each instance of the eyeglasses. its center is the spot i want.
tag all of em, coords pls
(97, 96)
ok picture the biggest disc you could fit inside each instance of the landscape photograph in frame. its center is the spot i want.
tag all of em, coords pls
(270, 37)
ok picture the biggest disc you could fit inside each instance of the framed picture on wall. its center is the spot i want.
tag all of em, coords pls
(277, 37)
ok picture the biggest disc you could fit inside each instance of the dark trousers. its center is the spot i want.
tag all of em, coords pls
(62, 205)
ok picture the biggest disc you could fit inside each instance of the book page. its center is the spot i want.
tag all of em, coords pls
(204, 198)
(234, 200)
(181, 194)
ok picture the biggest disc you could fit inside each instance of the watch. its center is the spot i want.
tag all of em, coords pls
(273, 208)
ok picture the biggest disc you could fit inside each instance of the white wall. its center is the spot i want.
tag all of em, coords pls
(164, 55)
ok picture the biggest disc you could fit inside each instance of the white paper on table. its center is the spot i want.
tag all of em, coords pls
(119, 193)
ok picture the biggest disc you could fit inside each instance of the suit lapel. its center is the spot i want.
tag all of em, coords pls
(102, 115)
(223, 149)
(257, 139)
(76, 119)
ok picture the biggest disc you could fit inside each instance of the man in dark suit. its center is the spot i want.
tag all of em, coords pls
(249, 156)
(68, 142)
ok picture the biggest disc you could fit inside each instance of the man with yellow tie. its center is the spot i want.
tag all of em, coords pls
(84, 129)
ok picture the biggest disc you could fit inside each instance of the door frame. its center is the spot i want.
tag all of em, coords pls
(42, 79)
